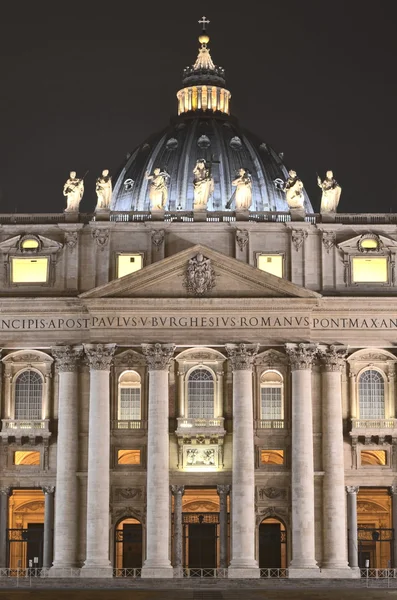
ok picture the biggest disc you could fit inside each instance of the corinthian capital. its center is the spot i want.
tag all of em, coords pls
(158, 356)
(99, 356)
(301, 355)
(177, 490)
(332, 358)
(67, 357)
(242, 356)
(352, 489)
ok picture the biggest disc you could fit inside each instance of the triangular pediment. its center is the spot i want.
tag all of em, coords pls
(230, 278)
(354, 244)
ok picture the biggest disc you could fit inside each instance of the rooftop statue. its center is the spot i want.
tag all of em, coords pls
(294, 191)
(103, 188)
(158, 189)
(331, 193)
(243, 192)
(73, 190)
(203, 185)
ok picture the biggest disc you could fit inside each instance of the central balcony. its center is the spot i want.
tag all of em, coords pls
(25, 428)
(190, 427)
(270, 424)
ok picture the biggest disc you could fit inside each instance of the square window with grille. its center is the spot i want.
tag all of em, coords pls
(271, 403)
(130, 404)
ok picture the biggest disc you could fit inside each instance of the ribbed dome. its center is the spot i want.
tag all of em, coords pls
(216, 138)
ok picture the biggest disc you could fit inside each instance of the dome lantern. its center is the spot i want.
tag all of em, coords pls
(204, 83)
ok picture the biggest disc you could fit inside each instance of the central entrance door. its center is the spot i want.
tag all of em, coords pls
(272, 545)
(201, 540)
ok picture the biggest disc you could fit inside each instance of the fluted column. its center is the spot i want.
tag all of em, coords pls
(97, 562)
(66, 500)
(352, 492)
(334, 497)
(178, 491)
(303, 562)
(4, 495)
(157, 563)
(223, 491)
(243, 563)
(48, 525)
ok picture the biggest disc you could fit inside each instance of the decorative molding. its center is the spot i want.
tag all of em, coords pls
(242, 356)
(66, 358)
(271, 492)
(71, 239)
(223, 489)
(177, 490)
(158, 236)
(30, 506)
(270, 358)
(101, 236)
(158, 356)
(129, 512)
(352, 489)
(242, 237)
(200, 276)
(298, 236)
(333, 358)
(48, 489)
(329, 239)
(301, 356)
(27, 356)
(121, 494)
(370, 507)
(129, 358)
(100, 356)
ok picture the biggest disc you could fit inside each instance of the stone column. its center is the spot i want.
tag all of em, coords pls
(97, 562)
(157, 563)
(48, 525)
(223, 491)
(66, 500)
(303, 562)
(4, 495)
(352, 525)
(178, 491)
(334, 497)
(243, 563)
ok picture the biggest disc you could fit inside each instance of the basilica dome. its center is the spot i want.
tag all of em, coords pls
(203, 130)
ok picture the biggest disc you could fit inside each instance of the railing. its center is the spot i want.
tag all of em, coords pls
(274, 573)
(378, 573)
(186, 423)
(134, 573)
(40, 424)
(214, 573)
(270, 424)
(124, 424)
(28, 572)
(374, 423)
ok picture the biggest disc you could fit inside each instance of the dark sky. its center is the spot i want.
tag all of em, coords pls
(80, 87)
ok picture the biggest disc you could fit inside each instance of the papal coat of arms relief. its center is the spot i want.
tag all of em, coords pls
(200, 276)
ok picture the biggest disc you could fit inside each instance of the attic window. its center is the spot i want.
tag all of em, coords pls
(29, 270)
(29, 244)
(370, 270)
(271, 263)
(369, 243)
(128, 263)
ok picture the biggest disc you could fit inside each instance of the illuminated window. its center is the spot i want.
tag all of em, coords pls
(272, 457)
(370, 270)
(30, 458)
(29, 270)
(28, 396)
(30, 244)
(200, 395)
(371, 395)
(271, 396)
(271, 263)
(129, 397)
(128, 457)
(128, 263)
(374, 458)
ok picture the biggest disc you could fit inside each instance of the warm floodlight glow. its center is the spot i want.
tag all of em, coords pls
(31, 458)
(272, 457)
(30, 244)
(129, 457)
(373, 458)
(29, 270)
(370, 270)
(271, 263)
(128, 263)
(369, 244)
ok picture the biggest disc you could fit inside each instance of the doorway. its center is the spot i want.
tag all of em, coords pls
(272, 544)
(128, 544)
(25, 535)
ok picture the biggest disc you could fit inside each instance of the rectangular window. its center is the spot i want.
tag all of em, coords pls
(130, 404)
(272, 457)
(128, 263)
(271, 263)
(27, 458)
(373, 458)
(271, 403)
(29, 270)
(370, 270)
(128, 457)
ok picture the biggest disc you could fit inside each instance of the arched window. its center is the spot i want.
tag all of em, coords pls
(271, 396)
(200, 393)
(129, 396)
(28, 395)
(371, 394)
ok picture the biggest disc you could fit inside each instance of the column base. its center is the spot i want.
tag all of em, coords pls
(304, 572)
(340, 573)
(243, 572)
(178, 572)
(157, 572)
(96, 571)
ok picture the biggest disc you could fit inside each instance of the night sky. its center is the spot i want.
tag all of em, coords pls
(80, 87)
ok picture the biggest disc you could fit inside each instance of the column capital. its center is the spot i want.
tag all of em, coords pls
(177, 490)
(242, 356)
(67, 357)
(5, 491)
(352, 489)
(393, 490)
(301, 356)
(332, 357)
(99, 356)
(223, 489)
(158, 356)
(48, 489)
